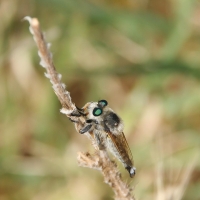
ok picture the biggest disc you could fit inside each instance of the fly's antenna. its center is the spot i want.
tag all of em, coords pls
(100, 160)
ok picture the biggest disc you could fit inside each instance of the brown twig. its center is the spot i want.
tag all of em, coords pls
(108, 168)
(100, 160)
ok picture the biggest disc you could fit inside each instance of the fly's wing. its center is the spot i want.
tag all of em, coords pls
(120, 143)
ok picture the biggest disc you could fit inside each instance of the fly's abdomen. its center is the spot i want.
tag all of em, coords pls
(118, 146)
(120, 153)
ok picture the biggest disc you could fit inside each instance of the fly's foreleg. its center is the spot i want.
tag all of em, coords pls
(85, 129)
(88, 125)
(75, 113)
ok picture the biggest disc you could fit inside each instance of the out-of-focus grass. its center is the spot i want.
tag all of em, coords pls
(142, 56)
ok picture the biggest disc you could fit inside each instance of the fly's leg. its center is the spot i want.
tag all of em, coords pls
(88, 125)
(75, 113)
(85, 128)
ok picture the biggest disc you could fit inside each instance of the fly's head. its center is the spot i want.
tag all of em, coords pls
(93, 110)
(93, 113)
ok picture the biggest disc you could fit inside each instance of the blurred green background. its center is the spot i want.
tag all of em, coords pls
(142, 56)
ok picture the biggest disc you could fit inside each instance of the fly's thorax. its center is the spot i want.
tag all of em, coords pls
(113, 121)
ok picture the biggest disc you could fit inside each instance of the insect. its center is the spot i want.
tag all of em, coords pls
(107, 129)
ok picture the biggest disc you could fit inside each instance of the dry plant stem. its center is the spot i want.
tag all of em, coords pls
(100, 160)
(108, 168)
(47, 63)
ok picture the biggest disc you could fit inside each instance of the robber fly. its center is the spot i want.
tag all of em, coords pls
(107, 130)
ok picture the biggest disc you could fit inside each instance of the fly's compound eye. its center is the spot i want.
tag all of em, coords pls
(97, 111)
(102, 103)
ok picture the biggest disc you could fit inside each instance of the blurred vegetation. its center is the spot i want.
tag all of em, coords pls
(142, 56)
